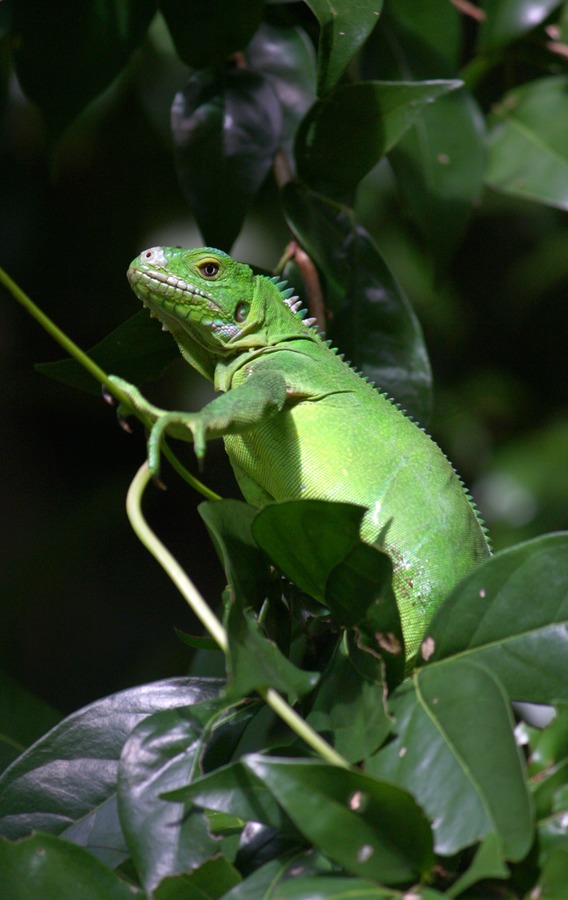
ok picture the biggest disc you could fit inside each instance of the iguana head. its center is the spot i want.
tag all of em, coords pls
(213, 305)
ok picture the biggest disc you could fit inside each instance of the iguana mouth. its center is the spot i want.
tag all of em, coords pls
(156, 287)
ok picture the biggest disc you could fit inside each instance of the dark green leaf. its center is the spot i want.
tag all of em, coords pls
(68, 774)
(246, 568)
(138, 350)
(338, 887)
(456, 753)
(511, 615)
(349, 709)
(506, 20)
(255, 663)
(547, 786)
(439, 163)
(285, 56)
(550, 745)
(235, 790)
(344, 27)
(373, 323)
(161, 754)
(308, 538)
(345, 134)
(438, 26)
(23, 719)
(528, 145)
(553, 878)
(370, 827)
(47, 867)
(206, 33)
(229, 125)
(487, 863)
(82, 62)
(211, 881)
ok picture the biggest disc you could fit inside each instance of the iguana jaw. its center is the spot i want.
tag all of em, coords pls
(177, 303)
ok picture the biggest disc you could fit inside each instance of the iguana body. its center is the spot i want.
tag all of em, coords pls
(298, 422)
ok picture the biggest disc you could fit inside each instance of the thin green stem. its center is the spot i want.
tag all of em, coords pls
(98, 374)
(192, 596)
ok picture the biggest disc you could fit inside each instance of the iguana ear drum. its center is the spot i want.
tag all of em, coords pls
(241, 312)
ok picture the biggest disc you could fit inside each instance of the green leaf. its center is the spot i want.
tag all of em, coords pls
(438, 26)
(229, 125)
(256, 663)
(285, 56)
(549, 746)
(368, 826)
(338, 887)
(487, 863)
(553, 878)
(528, 145)
(440, 161)
(307, 538)
(81, 66)
(246, 567)
(138, 350)
(206, 33)
(344, 27)
(234, 789)
(70, 773)
(455, 751)
(506, 20)
(345, 134)
(349, 709)
(373, 322)
(47, 867)
(161, 754)
(23, 719)
(211, 881)
(510, 614)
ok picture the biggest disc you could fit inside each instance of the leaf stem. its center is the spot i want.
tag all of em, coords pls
(203, 612)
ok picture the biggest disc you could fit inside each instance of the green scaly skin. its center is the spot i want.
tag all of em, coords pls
(298, 422)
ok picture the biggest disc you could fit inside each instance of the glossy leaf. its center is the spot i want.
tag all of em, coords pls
(553, 878)
(234, 789)
(246, 568)
(438, 25)
(528, 144)
(69, 773)
(307, 538)
(345, 134)
(137, 350)
(344, 27)
(455, 751)
(103, 37)
(161, 754)
(487, 863)
(206, 33)
(370, 827)
(373, 322)
(510, 614)
(47, 867)
(349, 709)
(256, 663)
(506, 20)
(230, 125)
(439, 163)
(285, 56)
(211, 881)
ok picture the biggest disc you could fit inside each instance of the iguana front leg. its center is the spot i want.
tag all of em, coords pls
(251, 403)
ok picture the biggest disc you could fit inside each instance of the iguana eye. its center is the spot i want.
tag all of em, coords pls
(241, 312)
(209, 269)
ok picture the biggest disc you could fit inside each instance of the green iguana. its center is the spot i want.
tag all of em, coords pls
(299, 422)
